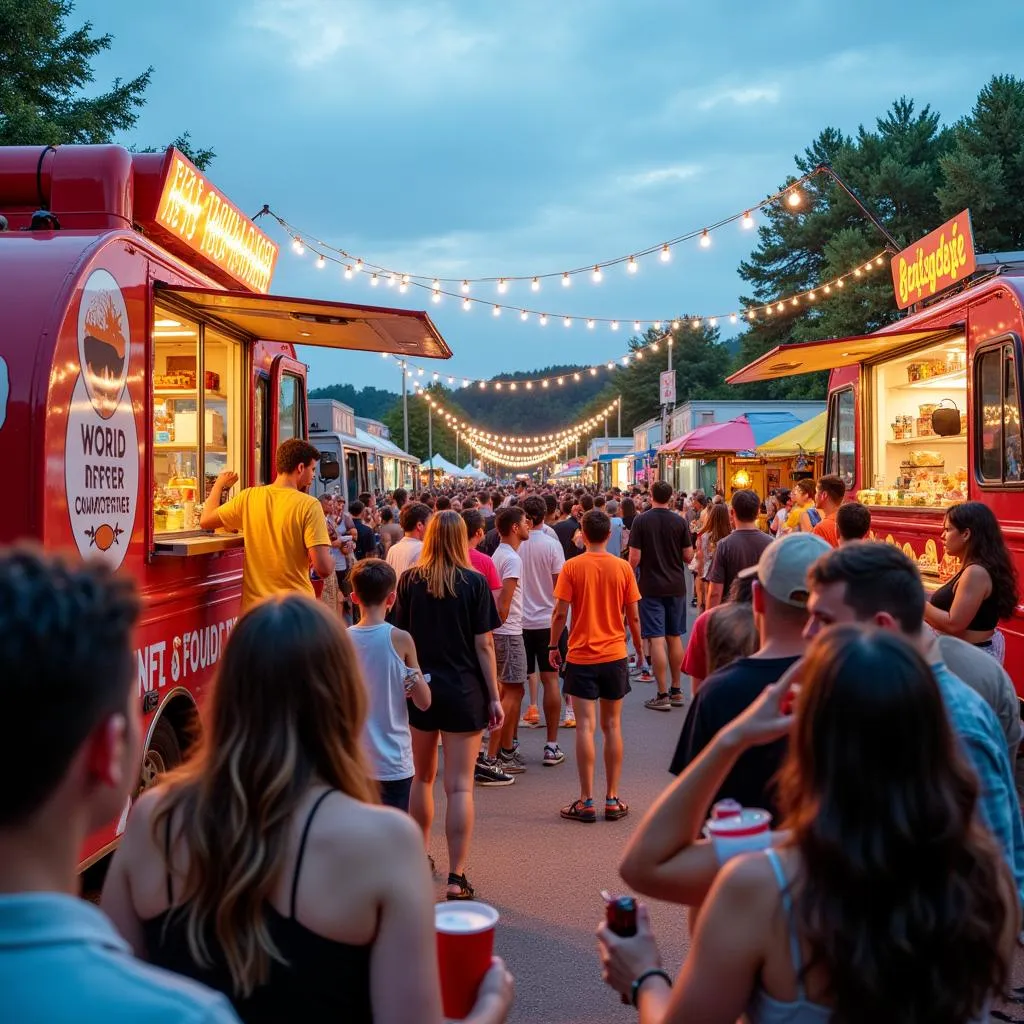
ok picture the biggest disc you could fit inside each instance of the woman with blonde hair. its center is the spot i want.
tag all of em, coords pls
(448, 609)
(262, 866)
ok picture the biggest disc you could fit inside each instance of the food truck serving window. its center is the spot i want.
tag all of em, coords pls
(841, 455)
(997, 417)
(917, 446)
(197, 417)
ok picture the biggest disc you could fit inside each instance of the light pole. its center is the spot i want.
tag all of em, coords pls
(619, 402)
(405, 407)
(430, 439)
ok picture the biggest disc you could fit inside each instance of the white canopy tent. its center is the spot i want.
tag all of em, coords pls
(441, 465)
(473, 473)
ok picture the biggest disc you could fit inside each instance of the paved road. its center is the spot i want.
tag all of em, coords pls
(544, 874)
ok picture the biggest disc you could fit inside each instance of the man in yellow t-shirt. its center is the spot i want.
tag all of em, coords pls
(284, 527)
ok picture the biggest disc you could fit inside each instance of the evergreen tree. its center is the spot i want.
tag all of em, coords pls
(44, 68)
(895, 171)
(985, 169)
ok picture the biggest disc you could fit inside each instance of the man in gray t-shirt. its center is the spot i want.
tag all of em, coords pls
(740, 550)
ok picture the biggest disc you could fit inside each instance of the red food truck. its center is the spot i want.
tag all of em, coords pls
(926, 412)
(140, 355)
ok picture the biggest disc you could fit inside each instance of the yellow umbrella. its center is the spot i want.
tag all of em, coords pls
(808, 437)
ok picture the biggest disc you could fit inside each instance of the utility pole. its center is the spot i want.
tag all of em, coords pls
(619, 403)
(456, 448)
(405, 407)
(430, 440)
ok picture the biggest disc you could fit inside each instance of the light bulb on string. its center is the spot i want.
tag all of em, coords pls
(566, 281)
(436, 296)
(561, 381)
(297, 246)
(405, 279)
(575, 376)
(497, 310)
(544, 383)
(567, 321)
(840, 283)
(639, 353)
(529, 385)
(543, 319)
(359, 266)
(657, 325)
(705, 239)
(625, 360)
(654, 346)
(348, 273)
(436, 285)
(675, 325)
(391, 280)
(811, 296)
(320, 262)
(750, 315)
(465, 287)
(597, 275)
(796, 301)
(696, 324)
(502, 286)
(632, 266)
(713, 322)
(794, 198)
(636, 326)
(593, 371)
(535, 285)
(747, 221)
(856, 272)
(780, 307)
(732, 318)
(483, 384)
(512, 386)
(467, 305)
(666, 253)
(615, 325)
(523, 315)
(374, 281)
(611, 365)
(403, 287)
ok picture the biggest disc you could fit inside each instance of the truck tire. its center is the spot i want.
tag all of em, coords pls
(163, 753)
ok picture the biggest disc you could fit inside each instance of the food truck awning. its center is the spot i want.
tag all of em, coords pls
(322, 324)
(809, 356)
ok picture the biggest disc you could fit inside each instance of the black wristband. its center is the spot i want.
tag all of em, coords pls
(552, 647)
(651, 972)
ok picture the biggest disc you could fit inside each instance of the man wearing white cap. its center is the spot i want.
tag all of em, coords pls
(780, 607)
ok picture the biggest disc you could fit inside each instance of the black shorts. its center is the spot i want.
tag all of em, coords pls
(608, 680)
(537, 641)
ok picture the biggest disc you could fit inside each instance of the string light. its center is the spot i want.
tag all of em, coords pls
(566, 280)
(612, 322)
(348, 273)
(320, 262)
(790, 196)
(597, 275)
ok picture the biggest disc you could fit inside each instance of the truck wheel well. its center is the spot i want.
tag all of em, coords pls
(181, 714)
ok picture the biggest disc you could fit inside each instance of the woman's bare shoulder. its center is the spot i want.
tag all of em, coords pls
(367, 829)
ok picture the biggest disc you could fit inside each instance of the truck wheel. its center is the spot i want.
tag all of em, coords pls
(162, 754)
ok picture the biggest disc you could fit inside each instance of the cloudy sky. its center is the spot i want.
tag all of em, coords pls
(470, 138)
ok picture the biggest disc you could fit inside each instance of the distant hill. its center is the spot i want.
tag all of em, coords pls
(369, 401)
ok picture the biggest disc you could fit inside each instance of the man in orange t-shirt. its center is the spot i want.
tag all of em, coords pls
(827, 499)
(599, 588)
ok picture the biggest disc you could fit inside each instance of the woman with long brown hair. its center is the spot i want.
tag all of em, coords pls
(262, 866)
(716, 526)
(882, 898)
(985, 591)
(448, 609)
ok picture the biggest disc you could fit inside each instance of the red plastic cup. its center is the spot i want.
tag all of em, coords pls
(465, 945)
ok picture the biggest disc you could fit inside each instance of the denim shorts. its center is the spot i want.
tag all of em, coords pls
(662, 616)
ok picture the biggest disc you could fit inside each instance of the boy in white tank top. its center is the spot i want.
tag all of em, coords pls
(387, 659)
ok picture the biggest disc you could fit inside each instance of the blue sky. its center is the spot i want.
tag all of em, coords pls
(475, 138)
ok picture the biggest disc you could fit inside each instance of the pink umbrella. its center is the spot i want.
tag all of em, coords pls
(731, 436)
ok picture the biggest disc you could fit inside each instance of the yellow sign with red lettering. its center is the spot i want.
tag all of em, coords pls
(202, 217)
(941, 259)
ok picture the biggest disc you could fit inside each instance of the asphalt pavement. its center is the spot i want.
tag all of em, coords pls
(544, 875)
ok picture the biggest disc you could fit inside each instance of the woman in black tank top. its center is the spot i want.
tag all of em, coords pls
(984, 591)
(261, 866)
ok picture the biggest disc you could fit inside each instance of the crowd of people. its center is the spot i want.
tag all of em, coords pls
(281, 871)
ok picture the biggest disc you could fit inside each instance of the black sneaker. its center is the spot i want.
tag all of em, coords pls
(489, 773)
(675, 698)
